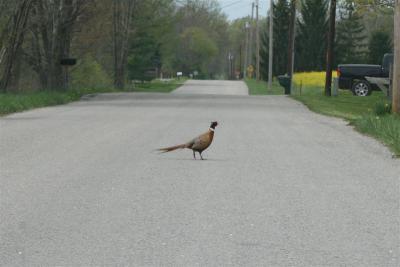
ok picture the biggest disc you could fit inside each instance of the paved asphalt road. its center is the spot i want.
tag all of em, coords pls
(213, 88)
(281, 186)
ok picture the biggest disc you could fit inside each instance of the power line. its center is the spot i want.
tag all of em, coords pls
(231, 4)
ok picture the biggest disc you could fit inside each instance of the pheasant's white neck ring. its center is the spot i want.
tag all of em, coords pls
(212, 130)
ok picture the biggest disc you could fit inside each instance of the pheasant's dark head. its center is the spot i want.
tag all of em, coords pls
(214, 124)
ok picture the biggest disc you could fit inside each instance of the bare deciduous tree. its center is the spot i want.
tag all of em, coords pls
(52, 29)
(122, 19)
(12, 38)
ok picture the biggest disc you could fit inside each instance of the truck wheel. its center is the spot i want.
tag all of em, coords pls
(361, 88)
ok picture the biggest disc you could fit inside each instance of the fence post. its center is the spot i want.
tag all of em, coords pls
(335, 87)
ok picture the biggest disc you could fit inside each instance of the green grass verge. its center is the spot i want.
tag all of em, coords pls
(158, 86)
(261, 87)
(344, 106)
(10, 102)
(361, 112)
(384, 128)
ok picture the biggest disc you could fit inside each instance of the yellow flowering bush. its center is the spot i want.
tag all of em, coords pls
(311, 79)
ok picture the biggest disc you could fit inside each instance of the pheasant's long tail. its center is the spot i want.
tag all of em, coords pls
(172, 148)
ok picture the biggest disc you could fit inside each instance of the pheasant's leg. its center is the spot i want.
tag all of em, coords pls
(194, 154)
(201, 156)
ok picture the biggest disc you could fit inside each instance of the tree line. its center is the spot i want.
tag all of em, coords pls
(114, 41)
(364, 31)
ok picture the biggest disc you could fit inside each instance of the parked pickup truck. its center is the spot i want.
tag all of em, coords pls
(352, 76)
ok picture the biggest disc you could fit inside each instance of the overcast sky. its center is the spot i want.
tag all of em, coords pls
(238, 9)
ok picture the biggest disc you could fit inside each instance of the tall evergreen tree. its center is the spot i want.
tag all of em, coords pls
(281, 31)
(311, 41)
(350, 37)
(379, 44)
(142, 59)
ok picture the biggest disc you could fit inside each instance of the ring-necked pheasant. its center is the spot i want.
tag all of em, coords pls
(198, 144)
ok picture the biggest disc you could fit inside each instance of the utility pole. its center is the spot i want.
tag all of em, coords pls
(291, 39)
(257, 42)
(230, 66)
(251, 35)
(233, 67)
(246, 50)
(396, 69)
(271, 44)
(331, 41)
(240, 60)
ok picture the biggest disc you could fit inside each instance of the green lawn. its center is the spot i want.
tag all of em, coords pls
(384, 128)
(344, 106)
(12, 102)
(16, 102)
(364, 113)
(261, 88)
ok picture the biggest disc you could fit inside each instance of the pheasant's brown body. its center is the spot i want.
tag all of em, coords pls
(198, 144)
(201, 142)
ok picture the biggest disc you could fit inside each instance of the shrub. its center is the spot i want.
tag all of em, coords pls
(90, 74)
(311, 79)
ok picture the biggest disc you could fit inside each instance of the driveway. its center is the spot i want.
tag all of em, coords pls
(81, 185)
